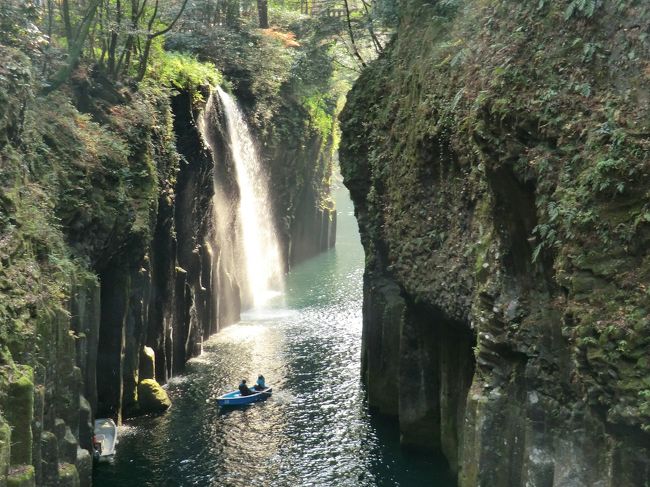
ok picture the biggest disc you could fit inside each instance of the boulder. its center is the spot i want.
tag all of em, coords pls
(152, 398)
(147, 364)
(21, 476)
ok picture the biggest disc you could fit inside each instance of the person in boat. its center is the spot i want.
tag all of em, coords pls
(260, 384)
(97, 448)
(243, 389)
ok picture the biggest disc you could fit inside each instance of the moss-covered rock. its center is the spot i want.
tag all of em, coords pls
(5, 448)
(68, 475)
(19, 410)
(50, 458)
(14, 91)
(497, 157)
(147, 364)
(21, 476)
(152, 398)
(84, 465)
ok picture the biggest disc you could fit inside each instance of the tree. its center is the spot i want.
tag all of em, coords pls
(144, 57)
(263, 13)
(76, 38)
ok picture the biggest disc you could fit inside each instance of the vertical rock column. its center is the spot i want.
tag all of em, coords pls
(419, 380)
(5, 450)
(19, 411)
(85, 311)
(114, 301)
(19, 407)
(383, 318)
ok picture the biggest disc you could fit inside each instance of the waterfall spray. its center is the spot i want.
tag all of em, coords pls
(261, 250)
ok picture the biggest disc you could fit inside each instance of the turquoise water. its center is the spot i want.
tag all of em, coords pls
(315, 430)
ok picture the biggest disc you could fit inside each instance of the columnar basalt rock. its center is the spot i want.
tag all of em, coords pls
(153, 292)
(115, 262)
(309, 217)
(509, 232)
(5, 450)
(19, 411)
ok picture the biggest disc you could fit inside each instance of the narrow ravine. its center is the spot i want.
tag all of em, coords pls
(315, 430)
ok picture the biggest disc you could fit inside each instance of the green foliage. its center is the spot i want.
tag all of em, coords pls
(448, 8)
(321, 115)
(183, 71)
(73, 192)
(586, 8)
(17, 28)
(16, 80)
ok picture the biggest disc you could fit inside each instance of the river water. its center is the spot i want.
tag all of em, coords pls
(315, 430)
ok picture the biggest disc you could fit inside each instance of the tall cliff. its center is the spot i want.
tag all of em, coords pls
(497, 155)
(106, 225)
(115, 257)
(300, 157)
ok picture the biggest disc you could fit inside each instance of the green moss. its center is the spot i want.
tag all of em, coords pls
(19, 410)
(76, 189)
(182, 71)
(147, 364)
(458, 104)
(152, 398)
(68, 475)
(5, 446)
(21, 476)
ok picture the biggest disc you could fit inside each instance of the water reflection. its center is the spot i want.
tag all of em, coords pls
(314, 431)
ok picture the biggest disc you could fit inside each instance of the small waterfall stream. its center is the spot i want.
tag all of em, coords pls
(264, 268)
(244, 230)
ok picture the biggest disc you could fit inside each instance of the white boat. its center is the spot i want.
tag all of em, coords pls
(105, 439)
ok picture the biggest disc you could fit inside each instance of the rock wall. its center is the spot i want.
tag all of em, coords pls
(301, 173)
(131, 282)
(162, 294)
(497, 157)
(122, 207)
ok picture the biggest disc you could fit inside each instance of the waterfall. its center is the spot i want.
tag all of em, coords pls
(253, 235)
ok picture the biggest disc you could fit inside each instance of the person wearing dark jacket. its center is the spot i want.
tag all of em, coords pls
(243, 389)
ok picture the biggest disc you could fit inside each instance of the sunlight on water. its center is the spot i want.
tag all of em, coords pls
(315, 430)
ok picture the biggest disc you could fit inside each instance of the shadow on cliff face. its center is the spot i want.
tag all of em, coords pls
(168, 293)
(418, 365)
(436, 369)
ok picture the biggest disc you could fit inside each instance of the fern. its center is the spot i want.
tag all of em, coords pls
(584, 7)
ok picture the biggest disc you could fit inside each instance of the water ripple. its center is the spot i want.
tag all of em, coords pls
(314, 431)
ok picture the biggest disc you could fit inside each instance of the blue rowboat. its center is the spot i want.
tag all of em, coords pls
(234, 398)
